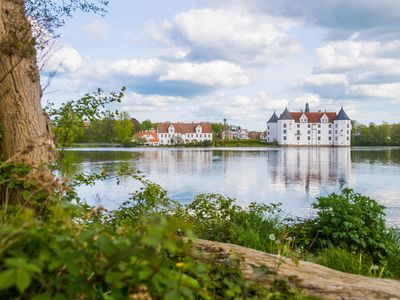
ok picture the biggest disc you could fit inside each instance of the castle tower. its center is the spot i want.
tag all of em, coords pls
(285, 128)
(272, 125)
(342, 129)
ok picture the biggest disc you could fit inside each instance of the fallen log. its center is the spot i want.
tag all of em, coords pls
(310, 278)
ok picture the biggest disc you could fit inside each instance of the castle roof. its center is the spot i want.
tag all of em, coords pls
(184, 127)
(342, 115)
(286, 115)
(274, 118)
(314, 117)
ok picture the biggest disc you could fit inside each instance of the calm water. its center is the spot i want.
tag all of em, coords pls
(292, 176)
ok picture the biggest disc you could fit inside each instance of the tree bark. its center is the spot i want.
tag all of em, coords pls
(23, 124)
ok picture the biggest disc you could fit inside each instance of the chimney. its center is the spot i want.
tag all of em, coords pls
(307, 107)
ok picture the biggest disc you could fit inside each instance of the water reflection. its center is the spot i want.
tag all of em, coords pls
(293, 176)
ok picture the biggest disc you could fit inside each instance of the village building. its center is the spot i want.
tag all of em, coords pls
(182, 133)
(149, 138)
(306, 128)
(255, 135)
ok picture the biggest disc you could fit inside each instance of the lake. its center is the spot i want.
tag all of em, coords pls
(292, 176)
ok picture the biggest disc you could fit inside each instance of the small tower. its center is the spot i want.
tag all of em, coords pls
(342, 129)
(285, 128)
(272, 128)
(307, 107)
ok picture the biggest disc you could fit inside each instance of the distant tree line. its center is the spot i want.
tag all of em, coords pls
(87, 121)
(384, 134)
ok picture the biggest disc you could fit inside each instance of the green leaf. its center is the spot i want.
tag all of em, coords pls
(23, 279)
(7, 279)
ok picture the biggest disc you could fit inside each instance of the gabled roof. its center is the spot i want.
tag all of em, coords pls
(286, 115)
(149, 136)
(274, 118)
(342, 115)
(314, 117)
(184, 127)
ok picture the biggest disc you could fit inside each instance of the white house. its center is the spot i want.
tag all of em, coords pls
(175, 133)
(306, 128)
(150, 138)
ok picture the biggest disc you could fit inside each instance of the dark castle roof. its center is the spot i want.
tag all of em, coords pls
(273, 119)
(286, 115)
(342, 115)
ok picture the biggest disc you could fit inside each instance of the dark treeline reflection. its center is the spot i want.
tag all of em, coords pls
(373, 155)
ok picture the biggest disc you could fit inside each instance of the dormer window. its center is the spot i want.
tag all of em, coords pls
(171, 129)
(303, 119)
(324, 119)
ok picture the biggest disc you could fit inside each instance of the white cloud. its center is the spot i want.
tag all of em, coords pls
(97, 28)
(387, 90)
(134, 102)
(65, 59)
(214, 73)
(223, 34)
(133, 67)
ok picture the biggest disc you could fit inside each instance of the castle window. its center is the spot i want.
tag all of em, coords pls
(330, 125)
(330, 131)
(284, 125)
(348, 125)
(309, 125)
(319, 125)
(309, 138)
(309, 131)
(298, 125)
(319, 138)
(330, 138)
(298, 138)
(319, 131)
(284, 130)
(284, 138)
(348, 138)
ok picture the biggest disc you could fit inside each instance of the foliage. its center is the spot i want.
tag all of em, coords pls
(70, 119)
(240, 143)
(135, 252)
(376, 135)
(350, 262)
(349, 221)
(147, 125)
(123, 128)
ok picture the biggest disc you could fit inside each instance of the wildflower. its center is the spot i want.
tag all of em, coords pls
(272, 237)
(290, 239)
(179, 264)
(374, 267)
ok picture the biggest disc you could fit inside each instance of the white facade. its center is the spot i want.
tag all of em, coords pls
(182, 133)
(310, 128)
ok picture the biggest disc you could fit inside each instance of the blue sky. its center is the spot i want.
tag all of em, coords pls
(206, 60)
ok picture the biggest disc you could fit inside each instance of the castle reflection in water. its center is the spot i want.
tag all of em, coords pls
(292, 176)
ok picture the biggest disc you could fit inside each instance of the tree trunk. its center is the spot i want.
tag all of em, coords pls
(23, 124)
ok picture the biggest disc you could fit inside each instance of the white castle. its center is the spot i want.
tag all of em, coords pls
(306, 128)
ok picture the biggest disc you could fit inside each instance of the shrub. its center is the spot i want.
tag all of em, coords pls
(350, 221)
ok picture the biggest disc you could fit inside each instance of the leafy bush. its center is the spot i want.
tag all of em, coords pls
(136, 252)
(217, 218)
(349, 221)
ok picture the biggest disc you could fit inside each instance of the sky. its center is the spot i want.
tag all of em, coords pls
(206, 60)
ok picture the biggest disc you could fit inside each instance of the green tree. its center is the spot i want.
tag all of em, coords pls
(123, 128)
(146, 125)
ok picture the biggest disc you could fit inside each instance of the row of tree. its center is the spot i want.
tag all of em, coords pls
(373, 134)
